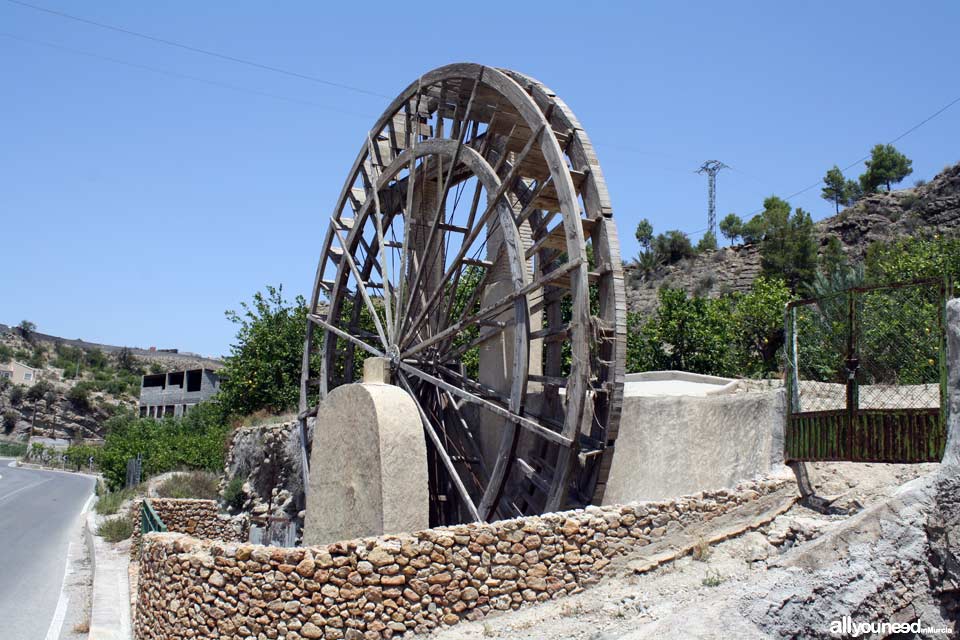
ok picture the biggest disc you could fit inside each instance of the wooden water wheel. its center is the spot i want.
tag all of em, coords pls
(473, 245)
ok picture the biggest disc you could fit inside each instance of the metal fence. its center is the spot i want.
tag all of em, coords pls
(134, 470)
(149, 520)
(866, 374)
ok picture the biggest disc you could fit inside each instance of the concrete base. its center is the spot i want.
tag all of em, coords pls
(678, 445)
(368, 469)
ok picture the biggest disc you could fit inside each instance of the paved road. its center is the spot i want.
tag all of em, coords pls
(39, 517)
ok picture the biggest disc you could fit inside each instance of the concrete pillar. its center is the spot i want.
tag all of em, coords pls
(951, 456)
(368, 471)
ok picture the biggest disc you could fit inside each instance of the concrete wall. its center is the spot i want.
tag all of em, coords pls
(672, 446)
(381, 587)
(177, 395)
(951, 455)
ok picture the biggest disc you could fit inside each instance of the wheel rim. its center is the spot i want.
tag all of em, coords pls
(481, 303)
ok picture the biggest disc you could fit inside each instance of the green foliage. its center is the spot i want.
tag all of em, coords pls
(834, 187)
(79, 396)
(16, 395)
(6, 354)
(707, 243)
(233, 494)
(10, 418)
(731, 227)
(886, 166)
(739, 334)
(688, 334)
(758, 325)
(109, 503)
(38, 390)
(914, 258)
(852, 192)
(115, 529)
(13, 449)
(671, 247)
(840, 191)
(26, 329)
(195, 441)
(833, 256)
(468, 284)
(788, 249)
(38, 357)
(644, 234)
(78, 456)
(195, 484)
(263, 369)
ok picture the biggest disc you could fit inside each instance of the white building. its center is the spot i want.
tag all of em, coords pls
(19, 372)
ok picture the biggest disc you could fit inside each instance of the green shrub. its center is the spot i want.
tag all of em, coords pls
(233, 493)
(115, 529)
(13, 449)
(109, 503)
(79, 396)
(6, 353)
(195, 442)
(16, 395)
(196, 484)
(38, 390)
(10, 418)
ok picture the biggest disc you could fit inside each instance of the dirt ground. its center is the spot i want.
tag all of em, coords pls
(686, 597)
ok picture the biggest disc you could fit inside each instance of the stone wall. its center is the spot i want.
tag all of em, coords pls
(200, 518)
(381, 587)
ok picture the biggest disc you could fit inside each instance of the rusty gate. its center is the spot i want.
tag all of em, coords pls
(866, 374)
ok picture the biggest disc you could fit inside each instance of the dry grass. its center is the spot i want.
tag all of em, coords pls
(82, 627)
(701, 551)
(115, 529)
(192, 484)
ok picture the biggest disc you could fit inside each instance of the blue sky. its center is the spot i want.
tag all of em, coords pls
(135, 206)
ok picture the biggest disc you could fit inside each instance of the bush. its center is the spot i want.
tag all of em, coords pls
(6, 353)
(79, 396)
(115, 529)
(16, 395)
(195, 441)
(38, 390)
(13, 449)
(109, 503)
(263, 369)
(196, 484)
(233, 494)
(10, 418)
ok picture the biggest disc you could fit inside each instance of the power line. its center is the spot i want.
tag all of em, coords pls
(206, 52)
(867, 157)
(176, 74)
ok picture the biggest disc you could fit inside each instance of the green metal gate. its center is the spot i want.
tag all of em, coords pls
(866, 374)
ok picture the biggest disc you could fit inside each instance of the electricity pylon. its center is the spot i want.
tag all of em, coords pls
(712, 168)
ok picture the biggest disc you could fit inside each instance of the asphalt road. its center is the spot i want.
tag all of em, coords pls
(39, 518)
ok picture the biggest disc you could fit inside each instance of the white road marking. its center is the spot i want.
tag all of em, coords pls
(56, 624)
(86, 505)
(29, 486)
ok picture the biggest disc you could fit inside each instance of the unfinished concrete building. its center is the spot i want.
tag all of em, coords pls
(170, 395)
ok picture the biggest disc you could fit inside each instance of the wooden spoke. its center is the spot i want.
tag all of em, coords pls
(362, 288)
(445, 457)
(465, 216)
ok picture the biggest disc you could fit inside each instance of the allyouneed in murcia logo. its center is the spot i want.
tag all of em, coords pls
(847, 627)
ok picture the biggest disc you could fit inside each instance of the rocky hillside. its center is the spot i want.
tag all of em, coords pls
(933, 207)
(58, 404)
